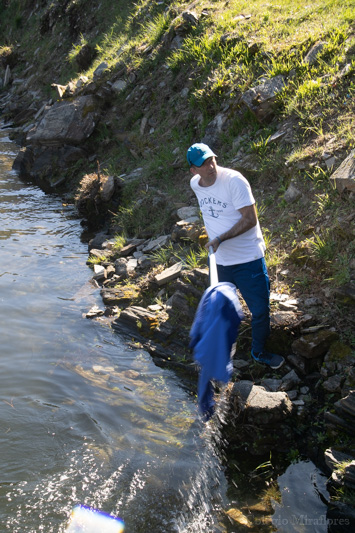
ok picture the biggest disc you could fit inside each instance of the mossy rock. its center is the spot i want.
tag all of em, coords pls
(122, 296)
(339, 352)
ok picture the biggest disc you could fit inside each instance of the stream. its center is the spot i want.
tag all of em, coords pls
(86, 418)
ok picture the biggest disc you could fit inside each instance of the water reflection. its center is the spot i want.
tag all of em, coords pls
(303, 500)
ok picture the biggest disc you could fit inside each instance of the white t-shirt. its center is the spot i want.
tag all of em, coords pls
(219, 205)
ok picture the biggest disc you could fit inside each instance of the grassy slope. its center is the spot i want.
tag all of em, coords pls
(269, 39)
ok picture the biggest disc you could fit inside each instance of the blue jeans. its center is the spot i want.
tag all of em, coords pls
(253, 282)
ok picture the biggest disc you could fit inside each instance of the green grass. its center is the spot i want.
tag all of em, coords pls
(197, 258)
(94, 260)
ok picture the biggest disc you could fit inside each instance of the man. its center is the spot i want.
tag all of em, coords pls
(229, 214)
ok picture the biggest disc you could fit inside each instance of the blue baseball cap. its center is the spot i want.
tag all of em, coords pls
(198, 153)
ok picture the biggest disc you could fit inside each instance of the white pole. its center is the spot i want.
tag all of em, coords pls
(213, 268)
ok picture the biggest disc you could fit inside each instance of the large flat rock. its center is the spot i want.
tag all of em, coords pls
(259, 406)
(66, 122)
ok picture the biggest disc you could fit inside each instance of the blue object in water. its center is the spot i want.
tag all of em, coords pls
(213, 333)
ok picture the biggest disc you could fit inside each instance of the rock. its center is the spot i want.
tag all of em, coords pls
(23, 162)
(257, 406)
(24, 116)
(349, 474)
(99, 272)
(277, 136)
(314, 345)
(330, 162)
(169, 274)
(130, 247)
(119, 86)
(240, 364)
(60, 89)
(7, 77)
(69, 90)
(98, 241)
(311, 302)
(348, 403)
(342, 466)
(344, 176)
(131, 265)
(292, 394)
(110, 271)
(283, 319)
(190, 17)
(68, 122)
(261, 99)
(199, 278)
(144, 262)
(178, 307)
(344, 417)
(213, 131)
(155, 244)
(240, 518)
(97, 253)
(187, 229)
(141, 321)
(271, 384)
(107, 188)
(292, 194)
(94, 312)
(336, 421)
(298, 403)
(122, 297)
(100, 70)
(188, 212)
(333, 384)
(50, 162)
(155, 307)
(121, 267)
(312, 55)
(137, 255)
(177, 42)
(298, 362)
(247, 165)
(81, 82)
(289, 381)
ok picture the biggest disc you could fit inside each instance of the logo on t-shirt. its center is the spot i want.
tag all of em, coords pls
(212, 206)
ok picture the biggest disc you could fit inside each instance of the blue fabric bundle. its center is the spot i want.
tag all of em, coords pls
(213, 333)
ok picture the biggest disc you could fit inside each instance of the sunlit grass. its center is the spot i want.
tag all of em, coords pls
(95, 260)
(197, 258)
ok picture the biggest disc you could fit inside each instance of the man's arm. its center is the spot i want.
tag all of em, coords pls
(249, 220)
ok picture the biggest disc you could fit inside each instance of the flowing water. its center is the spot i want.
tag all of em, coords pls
(84, 417)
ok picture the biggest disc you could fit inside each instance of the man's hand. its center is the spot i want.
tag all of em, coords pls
(214, 243)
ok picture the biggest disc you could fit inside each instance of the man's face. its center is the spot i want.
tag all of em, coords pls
(207, 171)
